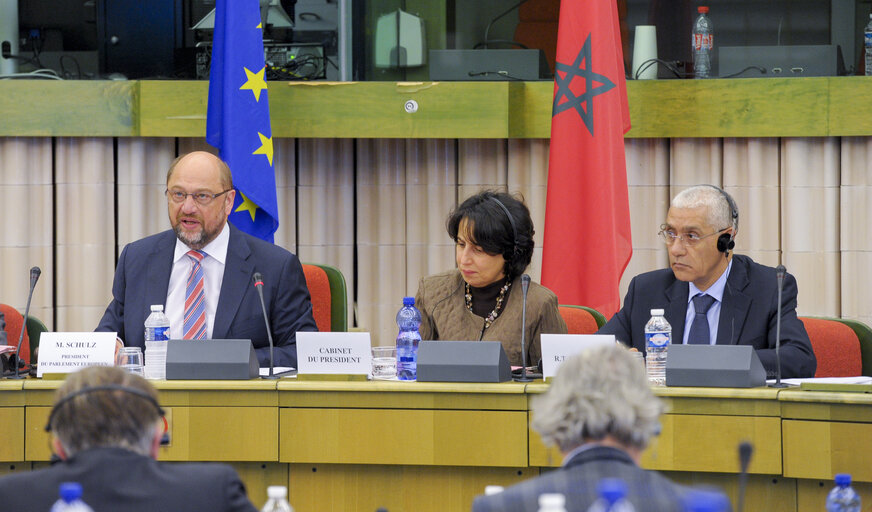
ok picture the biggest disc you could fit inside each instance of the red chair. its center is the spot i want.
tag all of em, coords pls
(578, 320)
(836, 347)
(319, 290)
(14, 323)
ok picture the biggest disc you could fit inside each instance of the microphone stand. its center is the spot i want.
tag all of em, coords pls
(525, 285)
(34, 277)
(258, 284)
(779, 276)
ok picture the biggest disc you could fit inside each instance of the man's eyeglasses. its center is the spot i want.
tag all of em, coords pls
(202, 198)
(669, 236)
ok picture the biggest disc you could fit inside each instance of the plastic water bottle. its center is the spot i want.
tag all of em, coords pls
(157, 333)
(408, 320)
(658, 336)
(843, 498)
(867, 44)
(552, 502)
(702, 43)
(71, 499)
(277, 499)
(612, 497)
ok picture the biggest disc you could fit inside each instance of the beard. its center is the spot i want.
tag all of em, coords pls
(197, 240)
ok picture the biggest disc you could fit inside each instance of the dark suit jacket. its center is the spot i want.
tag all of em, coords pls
(748, 314)
(649, 491)
(118, 479)
(142, 278)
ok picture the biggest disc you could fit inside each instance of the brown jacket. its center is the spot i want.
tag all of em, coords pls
(444, 316)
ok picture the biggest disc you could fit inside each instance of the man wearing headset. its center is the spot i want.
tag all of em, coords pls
(712, 296)
(106, 425)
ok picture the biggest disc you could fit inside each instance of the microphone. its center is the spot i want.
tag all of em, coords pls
(745, 451)
(779, 276)
(257, 278)
(525, 285)
(34, 277)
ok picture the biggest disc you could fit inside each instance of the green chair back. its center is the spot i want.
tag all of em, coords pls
(338, 298)
(34, 327)
(599, 317)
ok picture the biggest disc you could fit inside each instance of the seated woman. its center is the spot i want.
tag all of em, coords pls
(482, 298)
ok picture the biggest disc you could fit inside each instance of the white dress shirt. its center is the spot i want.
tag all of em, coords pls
(713, 315)
(213, 276)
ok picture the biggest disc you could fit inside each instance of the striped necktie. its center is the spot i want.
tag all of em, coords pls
(195, 299)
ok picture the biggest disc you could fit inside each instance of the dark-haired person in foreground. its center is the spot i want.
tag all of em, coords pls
(106, 427)
(711, 296)
(601, 413)
(482, 298)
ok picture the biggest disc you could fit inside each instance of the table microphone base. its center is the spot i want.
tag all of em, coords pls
(778, 385)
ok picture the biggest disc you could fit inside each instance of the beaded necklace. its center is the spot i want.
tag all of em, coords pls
(498, 307)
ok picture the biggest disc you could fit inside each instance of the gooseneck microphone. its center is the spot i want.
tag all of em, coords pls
(779, 276)
(745, 451)
(525, 285)
(258, 284)
(34, 277)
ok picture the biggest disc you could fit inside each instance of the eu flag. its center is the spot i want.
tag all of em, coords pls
(238, 122)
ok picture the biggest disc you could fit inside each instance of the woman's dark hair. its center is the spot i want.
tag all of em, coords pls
(501, 224)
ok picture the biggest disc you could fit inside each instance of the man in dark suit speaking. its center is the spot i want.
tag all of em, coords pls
(711, 296)
(601, 413)
(106, 427)
(201, 271)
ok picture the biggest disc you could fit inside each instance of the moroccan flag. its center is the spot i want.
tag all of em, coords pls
(238, 116)
(587, 214)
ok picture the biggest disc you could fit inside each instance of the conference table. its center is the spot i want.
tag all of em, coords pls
(415, 446)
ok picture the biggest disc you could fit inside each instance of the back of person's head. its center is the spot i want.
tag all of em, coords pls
(501, 224)
(105, 406)
(599, 393)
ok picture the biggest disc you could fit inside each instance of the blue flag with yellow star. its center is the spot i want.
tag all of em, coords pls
(238, 122)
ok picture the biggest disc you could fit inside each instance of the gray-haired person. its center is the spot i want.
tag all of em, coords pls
(106, 426)
(601, 413)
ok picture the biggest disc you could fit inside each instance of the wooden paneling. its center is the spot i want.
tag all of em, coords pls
(820, 449)
(67, 108)
(404, 436)
(752, 107)
(339, 488)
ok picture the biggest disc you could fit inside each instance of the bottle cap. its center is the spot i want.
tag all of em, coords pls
(408, 301)
(656, 312)
(490, 490)
(71, 491)
(700, 500)
(156, 307)
(551, 499)
(612, 489)
(276, 492)
(702, 9)
(843, 479)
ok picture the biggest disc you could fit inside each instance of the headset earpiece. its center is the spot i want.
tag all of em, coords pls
(725, 242)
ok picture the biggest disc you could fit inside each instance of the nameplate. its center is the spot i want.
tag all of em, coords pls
(67, 352)
(333, 353)
(556, 348)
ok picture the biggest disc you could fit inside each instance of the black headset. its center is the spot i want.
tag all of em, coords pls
(108, 387)
(726, 241)
(517, 248)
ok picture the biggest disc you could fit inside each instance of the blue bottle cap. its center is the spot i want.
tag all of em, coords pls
(408, 301)
(698, 500)
(843, 479)
(612, 489)
(70, 491)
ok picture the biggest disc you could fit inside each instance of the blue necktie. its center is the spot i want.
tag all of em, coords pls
(699, 329)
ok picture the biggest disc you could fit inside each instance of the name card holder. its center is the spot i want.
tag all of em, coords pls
(333, 356)
(557, 348)
(67, 352)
